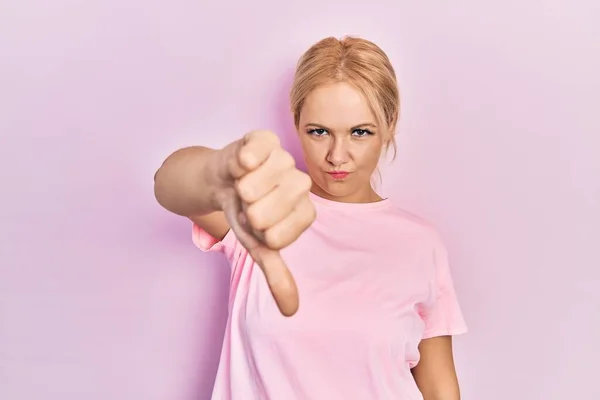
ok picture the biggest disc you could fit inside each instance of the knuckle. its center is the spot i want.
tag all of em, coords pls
(252, 135)
(246, 158)
(255, 217)
(304, 181)
(311, 213)
(286, 160)
(244, 190)
(274, 240)
(307, 217)
(272, 136)
(267, 136)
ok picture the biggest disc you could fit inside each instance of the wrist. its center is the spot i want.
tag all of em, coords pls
(218, 176)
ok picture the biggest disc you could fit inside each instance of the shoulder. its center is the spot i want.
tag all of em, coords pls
(404, 222)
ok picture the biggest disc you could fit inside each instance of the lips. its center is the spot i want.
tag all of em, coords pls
(338, 175)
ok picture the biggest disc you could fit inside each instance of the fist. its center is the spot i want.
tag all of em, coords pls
(266, 204)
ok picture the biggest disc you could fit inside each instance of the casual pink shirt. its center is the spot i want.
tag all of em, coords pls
(373, 282)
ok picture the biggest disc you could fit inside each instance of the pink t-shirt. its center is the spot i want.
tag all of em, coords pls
(373, 282)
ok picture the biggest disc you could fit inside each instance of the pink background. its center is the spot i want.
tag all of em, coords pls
(102, 294)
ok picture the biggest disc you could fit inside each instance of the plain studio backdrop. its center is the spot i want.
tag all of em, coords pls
(104, 297)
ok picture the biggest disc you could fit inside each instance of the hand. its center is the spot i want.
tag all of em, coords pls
(266, 204)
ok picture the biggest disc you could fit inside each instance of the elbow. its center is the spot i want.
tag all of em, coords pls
(158, 188)
(161, 189)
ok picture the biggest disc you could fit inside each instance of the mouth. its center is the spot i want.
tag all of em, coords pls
(339, 175)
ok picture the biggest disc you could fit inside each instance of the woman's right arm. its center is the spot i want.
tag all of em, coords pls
(188, 183)
(253, 181)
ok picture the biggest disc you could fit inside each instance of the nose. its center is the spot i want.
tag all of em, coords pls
(338, 152)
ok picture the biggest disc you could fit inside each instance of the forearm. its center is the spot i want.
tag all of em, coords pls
(435, 374)
(438, 384)
(187, 181)
(449, 395)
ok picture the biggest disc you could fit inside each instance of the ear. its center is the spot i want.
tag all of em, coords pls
(388, 140)
(388, 143)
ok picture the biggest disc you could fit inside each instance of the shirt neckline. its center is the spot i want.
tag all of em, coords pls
(376, 205)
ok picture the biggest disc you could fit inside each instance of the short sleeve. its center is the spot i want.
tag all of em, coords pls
(443, 315)
(205, 242)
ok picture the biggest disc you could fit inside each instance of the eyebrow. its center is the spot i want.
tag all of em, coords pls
(364, 125)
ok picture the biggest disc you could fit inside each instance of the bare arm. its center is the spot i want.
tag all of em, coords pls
(435, 373)
(187, 184)
(251, 186)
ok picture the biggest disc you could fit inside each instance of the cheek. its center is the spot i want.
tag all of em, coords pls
(367, 156)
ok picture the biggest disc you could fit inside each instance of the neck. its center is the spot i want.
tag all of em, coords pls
(363, 195)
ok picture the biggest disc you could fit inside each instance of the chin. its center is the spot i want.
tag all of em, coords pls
(335, 190)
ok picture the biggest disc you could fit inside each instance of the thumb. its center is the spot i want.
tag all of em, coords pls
(279, 278)
(281, 282)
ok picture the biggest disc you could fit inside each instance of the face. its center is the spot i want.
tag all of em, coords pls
(342, 143)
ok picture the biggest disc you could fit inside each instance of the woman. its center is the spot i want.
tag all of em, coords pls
(335, 292)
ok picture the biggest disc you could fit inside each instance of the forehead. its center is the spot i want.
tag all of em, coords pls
(337, 105)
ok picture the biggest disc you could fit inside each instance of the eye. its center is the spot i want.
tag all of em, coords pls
(317, 132)
(361, 132)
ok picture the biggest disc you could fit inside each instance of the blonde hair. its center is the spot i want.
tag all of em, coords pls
(355, 61)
